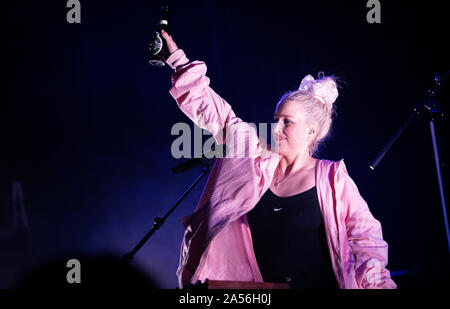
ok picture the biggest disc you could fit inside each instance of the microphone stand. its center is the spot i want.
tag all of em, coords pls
(158, 222)
(432, 106)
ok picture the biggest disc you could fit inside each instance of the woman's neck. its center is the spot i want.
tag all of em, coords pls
(292, 164)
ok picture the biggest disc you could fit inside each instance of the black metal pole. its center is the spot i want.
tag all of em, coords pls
(380, 156)
(433, 107)
(158, 222)
(441, 187)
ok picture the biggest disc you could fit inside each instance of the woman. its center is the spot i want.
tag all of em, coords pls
(281, 214)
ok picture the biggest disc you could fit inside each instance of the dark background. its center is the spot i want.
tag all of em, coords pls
(87, 123)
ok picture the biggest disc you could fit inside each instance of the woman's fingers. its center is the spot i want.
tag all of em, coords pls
(171, 45)
(166, 36)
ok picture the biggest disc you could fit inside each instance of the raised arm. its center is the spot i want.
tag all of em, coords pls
(191, 90)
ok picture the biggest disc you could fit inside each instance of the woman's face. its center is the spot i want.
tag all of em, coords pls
(292, 132)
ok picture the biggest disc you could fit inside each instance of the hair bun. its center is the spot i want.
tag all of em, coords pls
(324, 89)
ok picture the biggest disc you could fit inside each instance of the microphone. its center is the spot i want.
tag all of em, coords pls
(206, 159)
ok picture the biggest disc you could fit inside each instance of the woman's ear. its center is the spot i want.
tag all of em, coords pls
(311, 132)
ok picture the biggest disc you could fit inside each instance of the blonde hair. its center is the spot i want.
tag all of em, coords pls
(317, 99)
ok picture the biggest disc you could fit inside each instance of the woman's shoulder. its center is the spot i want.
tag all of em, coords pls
(331, 168)
(331, 163)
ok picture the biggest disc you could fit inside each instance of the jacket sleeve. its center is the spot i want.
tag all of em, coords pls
(365, 237)
(190, 89)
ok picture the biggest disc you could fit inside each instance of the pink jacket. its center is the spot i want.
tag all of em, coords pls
(217, 242)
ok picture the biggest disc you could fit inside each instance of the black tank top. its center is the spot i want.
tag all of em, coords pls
(290, 242)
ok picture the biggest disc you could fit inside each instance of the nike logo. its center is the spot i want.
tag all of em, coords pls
(277, 209)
